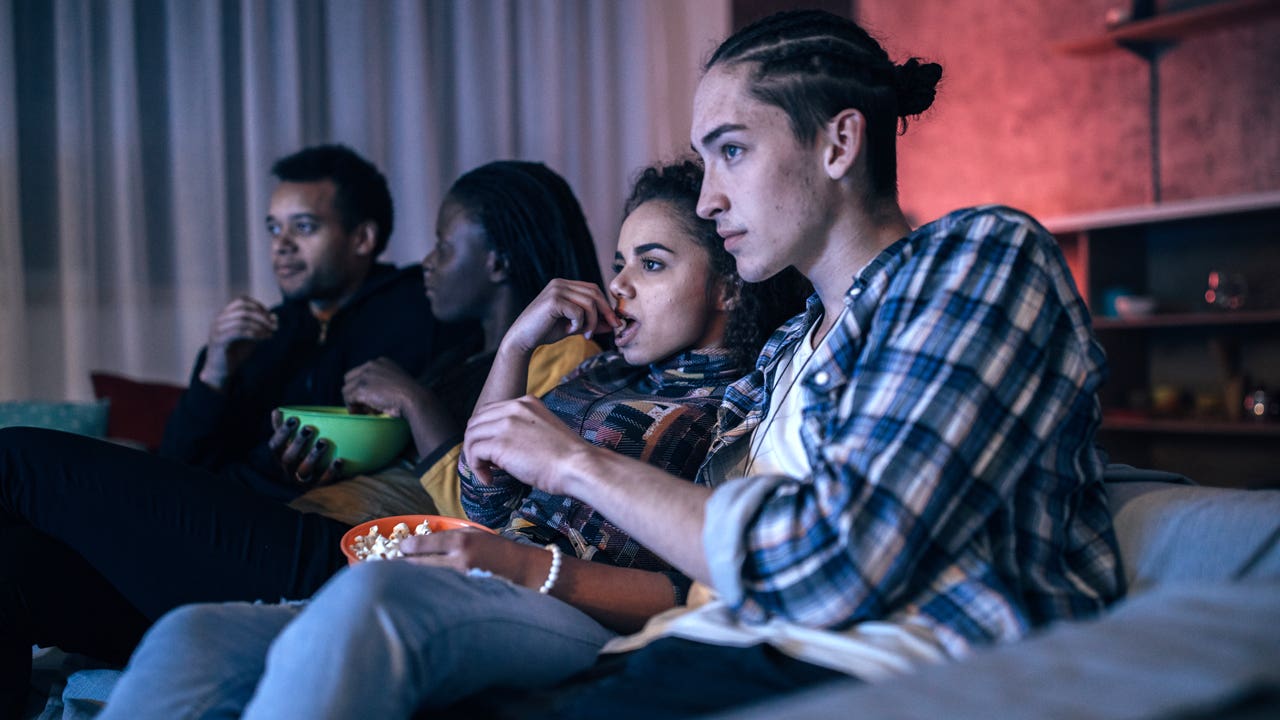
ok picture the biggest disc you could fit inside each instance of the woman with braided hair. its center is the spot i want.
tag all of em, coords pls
(504, 230)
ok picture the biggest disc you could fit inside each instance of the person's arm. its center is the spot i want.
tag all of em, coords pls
(660, 511)
(563, 308)
(208, 424)
(619, 598)
(382, 386)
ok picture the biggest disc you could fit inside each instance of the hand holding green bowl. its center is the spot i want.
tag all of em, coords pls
(364, 442)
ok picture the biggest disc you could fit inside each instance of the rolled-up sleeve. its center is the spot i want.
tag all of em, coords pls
(732, 507)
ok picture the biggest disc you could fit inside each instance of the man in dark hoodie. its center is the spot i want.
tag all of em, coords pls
(330, 217)
(101, 539)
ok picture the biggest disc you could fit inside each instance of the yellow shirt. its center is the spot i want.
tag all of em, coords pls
(547, 367)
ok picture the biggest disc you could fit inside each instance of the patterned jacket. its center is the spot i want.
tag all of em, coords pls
(664, 414)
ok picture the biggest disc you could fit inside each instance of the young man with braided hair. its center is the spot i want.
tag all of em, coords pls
(911, 472)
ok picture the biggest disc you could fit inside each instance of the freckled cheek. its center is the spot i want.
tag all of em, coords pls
(658, 307)
(688, 301)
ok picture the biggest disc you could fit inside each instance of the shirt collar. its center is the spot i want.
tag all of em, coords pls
(697, 367)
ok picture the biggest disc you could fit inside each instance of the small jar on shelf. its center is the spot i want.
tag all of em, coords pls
(1260, 405)
(1226, 290)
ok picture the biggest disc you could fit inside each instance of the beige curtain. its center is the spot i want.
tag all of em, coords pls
(136, 138)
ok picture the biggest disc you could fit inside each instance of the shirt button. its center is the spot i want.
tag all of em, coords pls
(855, 291)
(821, 377)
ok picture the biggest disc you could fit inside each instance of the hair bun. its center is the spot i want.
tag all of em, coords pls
(915, 84)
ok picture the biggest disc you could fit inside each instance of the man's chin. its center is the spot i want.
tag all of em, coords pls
(754, 273)
(294, 292)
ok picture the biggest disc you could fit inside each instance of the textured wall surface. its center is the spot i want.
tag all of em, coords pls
(1019, 123)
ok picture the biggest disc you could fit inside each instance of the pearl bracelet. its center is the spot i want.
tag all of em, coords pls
(554, 573)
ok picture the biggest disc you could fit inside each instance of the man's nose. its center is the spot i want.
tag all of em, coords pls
(283, 243)
(711, 202)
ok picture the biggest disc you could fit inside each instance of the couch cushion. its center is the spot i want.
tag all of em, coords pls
(139, 409)
(1195, 534)
(82, 418)
(1179, 651)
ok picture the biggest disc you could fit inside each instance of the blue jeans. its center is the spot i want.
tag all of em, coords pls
(382, 639)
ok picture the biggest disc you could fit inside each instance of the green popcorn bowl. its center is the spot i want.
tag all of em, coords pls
(364, 442)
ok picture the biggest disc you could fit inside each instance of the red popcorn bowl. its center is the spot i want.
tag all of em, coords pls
(435, 523)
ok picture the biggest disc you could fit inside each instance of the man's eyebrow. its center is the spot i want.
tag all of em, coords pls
(296, 216)
(718, 131)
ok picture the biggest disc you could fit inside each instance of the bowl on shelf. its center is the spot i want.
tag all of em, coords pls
(1135, 306)
(364, 442)
(435, 523)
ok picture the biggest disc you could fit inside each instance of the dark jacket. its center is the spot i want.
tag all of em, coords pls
(227, 432)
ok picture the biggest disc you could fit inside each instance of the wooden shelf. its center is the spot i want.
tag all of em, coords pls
(1170, 27)
(1159, 426)
(1182, 320)
(1165, 212)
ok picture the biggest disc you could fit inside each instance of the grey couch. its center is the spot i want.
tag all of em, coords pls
(1197, 637)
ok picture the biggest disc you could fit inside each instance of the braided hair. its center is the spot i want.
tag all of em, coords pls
(759, 308)
(361, 189)
(533, 221)
(813, 64)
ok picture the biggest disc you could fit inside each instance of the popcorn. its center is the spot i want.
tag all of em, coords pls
(376, 546)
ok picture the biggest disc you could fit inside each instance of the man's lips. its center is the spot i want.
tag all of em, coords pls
(731, 238)
(284, 271)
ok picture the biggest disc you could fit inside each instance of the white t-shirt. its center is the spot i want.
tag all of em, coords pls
(775, 448)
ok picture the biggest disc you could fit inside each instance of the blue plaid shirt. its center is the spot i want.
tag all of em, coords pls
(949, 426)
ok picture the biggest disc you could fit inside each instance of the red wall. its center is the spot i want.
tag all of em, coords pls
(1019, 123)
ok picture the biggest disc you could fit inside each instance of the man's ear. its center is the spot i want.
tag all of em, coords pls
(843, 141)
(498, 268)
(366, 234)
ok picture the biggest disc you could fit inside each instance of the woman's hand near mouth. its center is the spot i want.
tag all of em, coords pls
(563, 308)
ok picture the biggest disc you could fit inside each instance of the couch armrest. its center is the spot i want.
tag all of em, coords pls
(1178, 533)
(1179, 651)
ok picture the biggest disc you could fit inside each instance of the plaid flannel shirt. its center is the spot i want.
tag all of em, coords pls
(949, 425)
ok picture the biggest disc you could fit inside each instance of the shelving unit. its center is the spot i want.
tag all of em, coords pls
(1207, 357)
(1171, 27)
(1190, 427)
(1187, 320)
(1150, 37)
